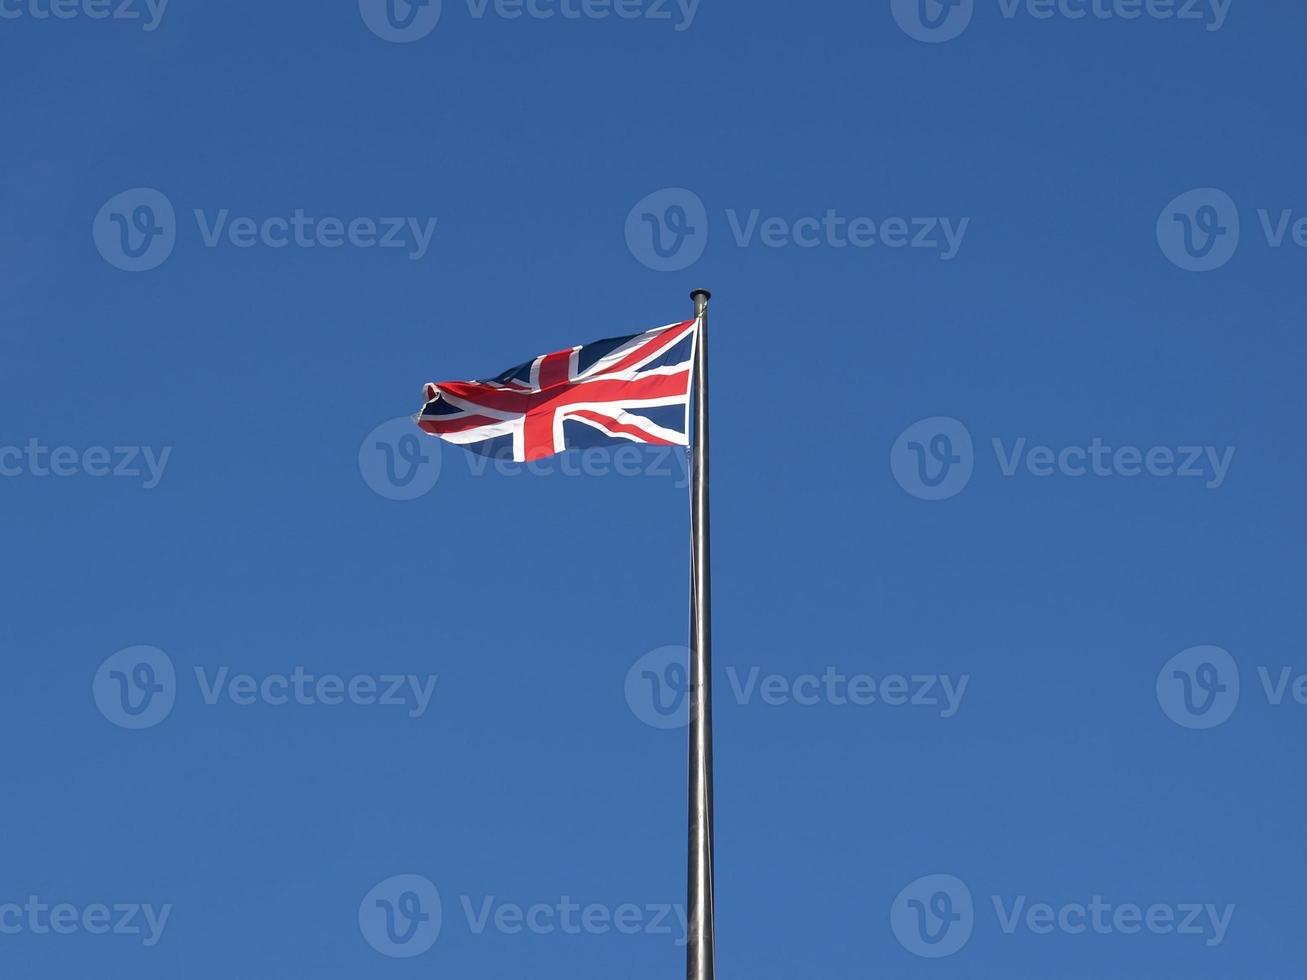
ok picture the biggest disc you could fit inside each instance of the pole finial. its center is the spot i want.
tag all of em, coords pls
(696, 293)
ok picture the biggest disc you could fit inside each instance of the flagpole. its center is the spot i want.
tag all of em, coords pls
(700, 953)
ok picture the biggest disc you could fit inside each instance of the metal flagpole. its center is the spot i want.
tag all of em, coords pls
(700, 964)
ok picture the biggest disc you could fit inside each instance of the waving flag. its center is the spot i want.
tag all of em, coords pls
(627, 389)
(641, 389)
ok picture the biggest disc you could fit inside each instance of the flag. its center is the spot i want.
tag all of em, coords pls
(626, 389)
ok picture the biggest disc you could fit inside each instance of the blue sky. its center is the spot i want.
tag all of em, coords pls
(1007, 360)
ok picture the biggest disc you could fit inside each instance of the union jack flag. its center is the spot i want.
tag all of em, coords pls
(627, 389)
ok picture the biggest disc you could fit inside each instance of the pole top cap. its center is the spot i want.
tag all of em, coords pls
(696, 293)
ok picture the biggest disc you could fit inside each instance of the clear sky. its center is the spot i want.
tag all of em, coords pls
(1005, 420)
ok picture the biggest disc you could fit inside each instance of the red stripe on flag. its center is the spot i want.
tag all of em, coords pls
(606, 390)
(612, 425)
(664, 341)
(500, 399)
(555, 369)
